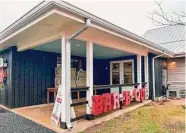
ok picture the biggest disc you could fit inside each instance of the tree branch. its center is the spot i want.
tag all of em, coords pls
(165, 19)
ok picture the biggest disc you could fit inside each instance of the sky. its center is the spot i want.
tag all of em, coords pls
(128, 14)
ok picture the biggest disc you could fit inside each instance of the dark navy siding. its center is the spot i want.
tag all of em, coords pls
(34, 72)
(9, 55)
(160, 63)
(31, 72)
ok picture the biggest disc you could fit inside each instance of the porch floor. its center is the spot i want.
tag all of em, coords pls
(42, 114)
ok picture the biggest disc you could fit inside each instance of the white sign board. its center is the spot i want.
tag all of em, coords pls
(57, 107)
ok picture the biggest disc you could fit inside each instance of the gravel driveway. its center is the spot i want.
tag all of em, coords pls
(13, 123)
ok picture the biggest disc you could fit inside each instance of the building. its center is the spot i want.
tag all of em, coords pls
(173, 39)
(58, 43)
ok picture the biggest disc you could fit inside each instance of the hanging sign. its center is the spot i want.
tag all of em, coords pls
(57, 107)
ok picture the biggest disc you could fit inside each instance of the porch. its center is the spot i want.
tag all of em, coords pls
(78, 55)
(41, 114)
(98, 66)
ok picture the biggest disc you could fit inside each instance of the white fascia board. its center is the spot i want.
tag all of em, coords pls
(53, 11)
(93, 18)
(127, 38)
(26, 27)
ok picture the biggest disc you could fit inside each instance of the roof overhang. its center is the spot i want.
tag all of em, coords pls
(179, 55)
(47, 8)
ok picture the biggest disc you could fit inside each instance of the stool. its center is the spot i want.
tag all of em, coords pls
(54, 90)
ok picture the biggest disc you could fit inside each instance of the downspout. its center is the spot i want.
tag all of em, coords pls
(153, 72)
(77, 33)
(68, 73)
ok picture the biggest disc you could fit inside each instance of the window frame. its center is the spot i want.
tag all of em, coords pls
(121, 63)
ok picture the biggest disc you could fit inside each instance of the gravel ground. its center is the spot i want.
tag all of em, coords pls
(13, 123)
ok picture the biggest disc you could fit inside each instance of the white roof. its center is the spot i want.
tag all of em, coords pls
(171, 38)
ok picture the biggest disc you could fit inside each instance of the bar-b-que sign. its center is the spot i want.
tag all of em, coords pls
(109, 101)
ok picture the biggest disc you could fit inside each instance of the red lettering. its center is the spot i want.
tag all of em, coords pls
(59, 100)
(1, 75)
(115, 100)
(146, 92)
(97, 107)
(126, 98)
(134, 93)
(137, 95)
(107, 102)
(142, 94)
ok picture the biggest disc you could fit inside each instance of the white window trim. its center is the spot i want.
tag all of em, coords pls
(121, 69)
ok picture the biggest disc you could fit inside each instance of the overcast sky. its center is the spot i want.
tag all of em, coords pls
(130, 15)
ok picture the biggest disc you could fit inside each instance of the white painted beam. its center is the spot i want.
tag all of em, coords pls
(139, 72)
(146, 74)
(65, 81)
(63, 77)
(89, 75)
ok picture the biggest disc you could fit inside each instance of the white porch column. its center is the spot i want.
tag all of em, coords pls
(139, 79)
(89, 75)
(65, 82)
(146, 73)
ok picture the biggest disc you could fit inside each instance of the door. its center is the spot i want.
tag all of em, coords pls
(127, 74)
(115, 73)
(122, 72)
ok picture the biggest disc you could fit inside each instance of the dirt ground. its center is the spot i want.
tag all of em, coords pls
(157, 117)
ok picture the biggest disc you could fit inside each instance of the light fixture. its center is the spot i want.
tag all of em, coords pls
(173, 63)
(77, 45)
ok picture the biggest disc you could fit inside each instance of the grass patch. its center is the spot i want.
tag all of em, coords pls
(153, 118)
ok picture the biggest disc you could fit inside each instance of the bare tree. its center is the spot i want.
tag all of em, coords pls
(160, 18)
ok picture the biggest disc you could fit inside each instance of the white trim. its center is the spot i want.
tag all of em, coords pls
(89, 75)
(139, 78)
(77, 12)
(66, 82)
(121, 69)
(27, 26)
(39, 19)
(63, 77)
(146, 72)
(124, 37)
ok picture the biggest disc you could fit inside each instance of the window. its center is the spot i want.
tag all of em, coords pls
(128, 72)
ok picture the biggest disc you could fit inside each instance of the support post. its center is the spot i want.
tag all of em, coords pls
(146, 74)
(139, 79)
(89, 78)
(66, 83)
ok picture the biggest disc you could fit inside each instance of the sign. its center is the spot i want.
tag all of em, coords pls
(56, 113)
(57, 107)
(1, 75)
(110, 101)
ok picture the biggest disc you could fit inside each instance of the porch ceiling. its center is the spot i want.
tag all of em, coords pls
(78, 48)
